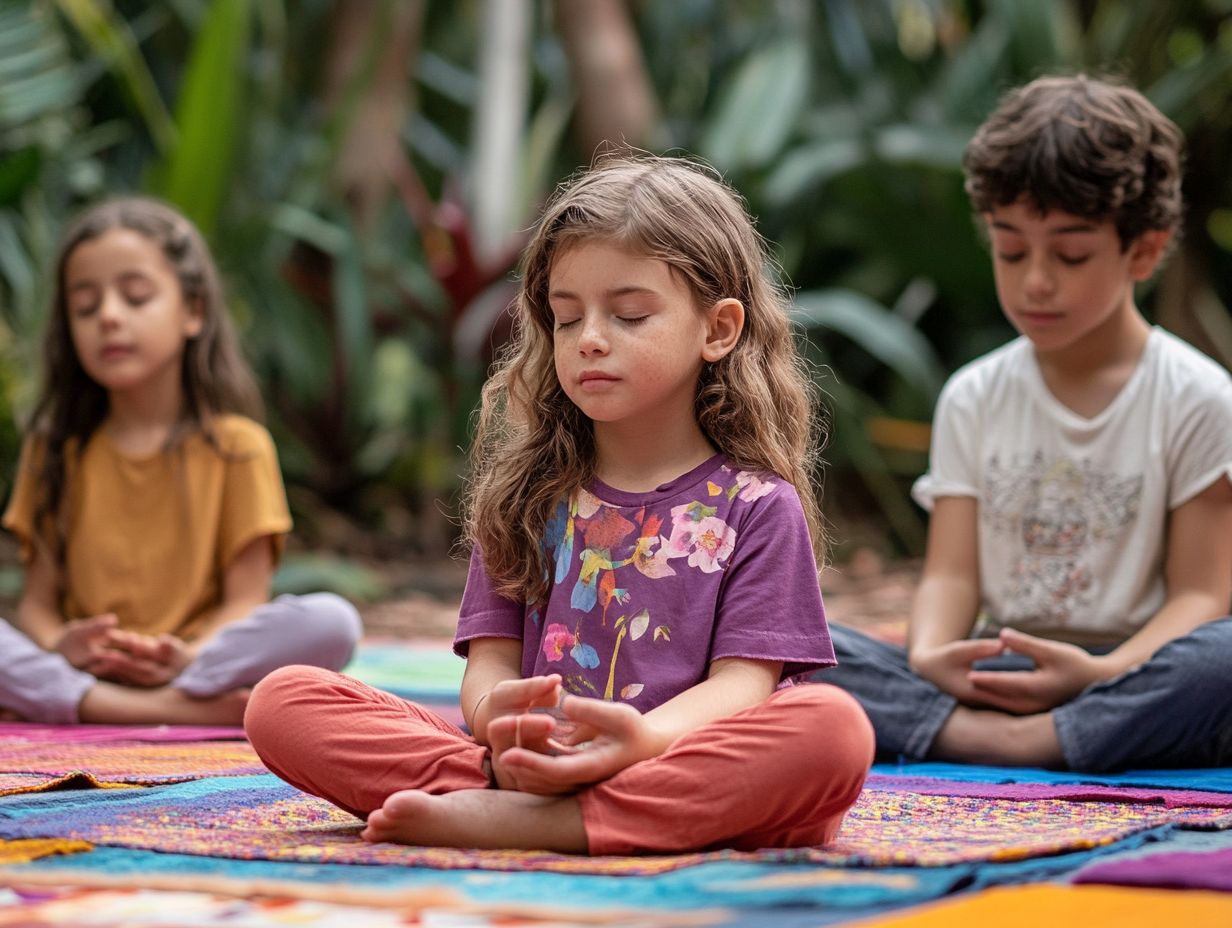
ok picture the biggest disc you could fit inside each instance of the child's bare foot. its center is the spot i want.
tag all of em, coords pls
(980, 736)
(480, 818)
(125, 705)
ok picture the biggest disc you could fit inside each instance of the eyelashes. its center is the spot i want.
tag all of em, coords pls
(1068, 260)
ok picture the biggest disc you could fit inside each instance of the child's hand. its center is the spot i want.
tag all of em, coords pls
(1062, 671)
(513, 697)
(948, 666)
(543, 765)
(83, 640)
(135, 659)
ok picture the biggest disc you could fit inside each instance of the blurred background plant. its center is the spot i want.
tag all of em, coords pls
(364, 170)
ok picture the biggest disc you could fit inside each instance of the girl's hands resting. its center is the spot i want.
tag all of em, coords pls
(514, 699)
(84, 640)
(141, 660)
(527, 756)
(96, 646)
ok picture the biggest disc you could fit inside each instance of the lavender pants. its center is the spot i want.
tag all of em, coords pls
(319, 629)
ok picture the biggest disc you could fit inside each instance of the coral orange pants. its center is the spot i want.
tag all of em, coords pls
(779, 774)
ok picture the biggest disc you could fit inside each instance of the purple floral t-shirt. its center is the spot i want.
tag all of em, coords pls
(649, 588)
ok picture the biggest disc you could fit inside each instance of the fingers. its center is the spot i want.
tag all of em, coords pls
(529, 730)
(975, 649)
(616, 718)
(1005, 683)
(1030, 645)
(530, 693)
(566, 771)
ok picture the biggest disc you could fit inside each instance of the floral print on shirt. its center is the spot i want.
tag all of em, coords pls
(612, 543)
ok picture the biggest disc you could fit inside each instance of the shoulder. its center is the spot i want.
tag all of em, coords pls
(1183, 371)
(240, 436)
(760, 497)
(997, 373)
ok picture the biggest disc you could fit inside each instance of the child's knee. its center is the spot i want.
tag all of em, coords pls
(337, 627)
(283, 705)
(838, 738)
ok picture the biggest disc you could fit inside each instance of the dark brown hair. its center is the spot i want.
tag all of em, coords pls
(215, 377)
(533, 447)
(1086, 146)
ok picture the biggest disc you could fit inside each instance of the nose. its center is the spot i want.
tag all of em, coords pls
(593, 338)
(1038, 283)
(110, 308)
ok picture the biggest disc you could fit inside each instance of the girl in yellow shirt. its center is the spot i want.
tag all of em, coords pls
(148, 502)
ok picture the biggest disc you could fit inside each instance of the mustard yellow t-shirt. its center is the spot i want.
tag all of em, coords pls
(150, 538)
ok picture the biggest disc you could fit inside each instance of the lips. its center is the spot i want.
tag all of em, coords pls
(596, 377)
(113, 352)
(1040, 318)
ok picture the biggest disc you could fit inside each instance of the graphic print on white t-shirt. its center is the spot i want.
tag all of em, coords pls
(1060, 516)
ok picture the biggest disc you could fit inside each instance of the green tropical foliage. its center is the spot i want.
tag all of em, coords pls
(364, 169)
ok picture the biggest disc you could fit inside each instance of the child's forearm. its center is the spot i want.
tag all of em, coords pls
(733, 684)
(944, 610)
(42, 624)
(225, 614)
(1180, 615)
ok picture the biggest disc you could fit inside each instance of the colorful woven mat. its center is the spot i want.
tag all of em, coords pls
(1186, 870)
(1045, 904)
(425, 670)
(260, 817)
(1211, 779)
(84, 734)
(28, 765)
(1073, 792)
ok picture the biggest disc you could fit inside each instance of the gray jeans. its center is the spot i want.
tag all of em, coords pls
(1174, 710)
(320, 629)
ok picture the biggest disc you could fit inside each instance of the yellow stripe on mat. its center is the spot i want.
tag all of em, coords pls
(1049, 904)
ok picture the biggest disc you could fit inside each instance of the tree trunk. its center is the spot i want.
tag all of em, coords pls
(368, 89)
(616, 104)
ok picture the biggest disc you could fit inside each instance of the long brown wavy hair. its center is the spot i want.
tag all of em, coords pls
(757, 405)
(215, 377)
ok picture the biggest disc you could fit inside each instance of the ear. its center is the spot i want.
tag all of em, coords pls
(724, 323)
(194, 318)
(1146, 251)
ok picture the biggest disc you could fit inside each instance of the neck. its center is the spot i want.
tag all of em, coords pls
(141, 420)
(638, 458)
(1117, 342)
(1088, 376)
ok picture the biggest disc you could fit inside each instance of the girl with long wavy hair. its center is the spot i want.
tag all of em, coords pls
(643, 576)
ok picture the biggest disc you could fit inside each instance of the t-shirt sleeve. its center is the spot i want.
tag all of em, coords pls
(484, 613)
(953, 464)
(19, 516)
(254, 499)
(769, 605)
(1201, 449)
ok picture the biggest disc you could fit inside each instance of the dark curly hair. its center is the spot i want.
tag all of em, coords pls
(1081, 145)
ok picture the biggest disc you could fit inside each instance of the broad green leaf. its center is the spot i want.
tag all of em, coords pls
(808, 167)
(760, 107)
(878, 331)
(208, 114)
(309, 573)
(935, 146)
(108, 34)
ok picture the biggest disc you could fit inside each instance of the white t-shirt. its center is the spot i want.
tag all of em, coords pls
(1073, 511)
